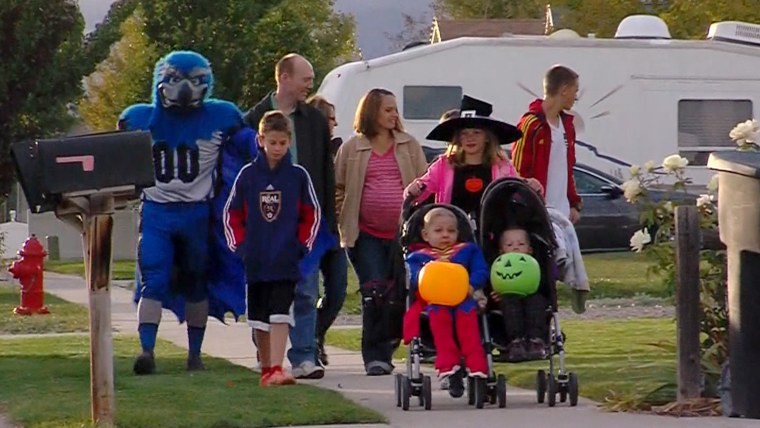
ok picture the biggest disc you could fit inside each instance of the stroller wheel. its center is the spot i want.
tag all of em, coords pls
(540, 386)
(481, 391)
(551, 391)
(470, 391)
(501, 391)
(406, 393)
(572, 386)
(399, 379)
(427, 392)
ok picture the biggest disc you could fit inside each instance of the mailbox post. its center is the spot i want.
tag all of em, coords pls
(84, 180)
(739, 220)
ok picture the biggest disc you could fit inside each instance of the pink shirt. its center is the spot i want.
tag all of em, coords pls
(382, 196)
(439, 178)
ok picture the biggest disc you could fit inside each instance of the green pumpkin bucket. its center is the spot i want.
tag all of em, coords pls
(515, 273)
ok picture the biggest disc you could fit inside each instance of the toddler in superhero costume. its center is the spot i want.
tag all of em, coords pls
(441, 233)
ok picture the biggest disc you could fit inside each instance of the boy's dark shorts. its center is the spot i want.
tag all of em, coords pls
(270, 302)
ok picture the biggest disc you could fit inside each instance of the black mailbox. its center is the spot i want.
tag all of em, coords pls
(739, 220)
(51, 170)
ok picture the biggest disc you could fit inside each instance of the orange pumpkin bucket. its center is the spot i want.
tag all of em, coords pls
(444, 283)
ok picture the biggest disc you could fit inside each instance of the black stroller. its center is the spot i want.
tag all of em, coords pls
(510, 201)
(414, 382)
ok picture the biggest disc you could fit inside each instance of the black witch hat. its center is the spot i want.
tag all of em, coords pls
(475, 113)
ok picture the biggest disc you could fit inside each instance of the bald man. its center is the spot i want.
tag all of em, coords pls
(310, 148)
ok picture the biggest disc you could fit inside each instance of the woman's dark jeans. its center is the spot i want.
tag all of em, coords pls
(371, 259)
(334, 268)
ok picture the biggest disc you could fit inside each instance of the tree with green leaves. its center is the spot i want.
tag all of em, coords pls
(220, 30)
(243, 39)
(691, 19)
(491, 9)
(308, 27)
(98, 42)
(600, 17)
(122, 79)
(41, 56)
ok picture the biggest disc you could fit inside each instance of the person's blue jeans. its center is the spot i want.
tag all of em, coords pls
(371, 259)
(334, 268)
(302, 335)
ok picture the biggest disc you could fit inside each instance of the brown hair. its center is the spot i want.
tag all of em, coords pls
(321, 104)
(275, 120)
(491, 152)
(557, 77)
(365, 121)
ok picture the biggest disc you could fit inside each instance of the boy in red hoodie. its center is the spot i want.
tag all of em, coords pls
(546, 150)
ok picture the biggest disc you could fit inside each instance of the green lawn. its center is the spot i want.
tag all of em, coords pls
(617, 361)
(122, 269)
(612, 275)
(44, 382)
(64, 316)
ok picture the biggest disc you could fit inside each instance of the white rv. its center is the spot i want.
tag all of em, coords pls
(643, 96)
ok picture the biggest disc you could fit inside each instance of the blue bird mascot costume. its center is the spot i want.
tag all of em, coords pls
(199, 146)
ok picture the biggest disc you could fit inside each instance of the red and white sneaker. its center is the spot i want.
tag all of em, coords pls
(265, 372)
(278, 377)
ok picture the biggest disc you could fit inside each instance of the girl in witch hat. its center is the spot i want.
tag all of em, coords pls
(472, 160)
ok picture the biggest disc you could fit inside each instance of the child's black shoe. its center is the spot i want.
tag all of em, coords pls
(456, 384)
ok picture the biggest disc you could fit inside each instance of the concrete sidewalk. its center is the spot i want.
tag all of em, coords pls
(345, 374)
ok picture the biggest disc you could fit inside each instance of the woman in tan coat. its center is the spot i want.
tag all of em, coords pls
(372, 170)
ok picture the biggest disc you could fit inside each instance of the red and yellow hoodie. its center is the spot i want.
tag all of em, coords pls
(530, 154)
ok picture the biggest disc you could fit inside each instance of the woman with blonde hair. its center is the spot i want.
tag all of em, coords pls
(328, 111)
(334, 265)
(371, 171)
(473, 158)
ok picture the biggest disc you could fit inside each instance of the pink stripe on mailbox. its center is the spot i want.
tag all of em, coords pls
(87, 161)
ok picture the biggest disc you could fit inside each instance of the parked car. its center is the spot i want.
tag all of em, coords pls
(608, 221)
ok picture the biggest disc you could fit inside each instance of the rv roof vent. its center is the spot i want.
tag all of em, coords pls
(564, 34)
(736, 32)
(642, 27)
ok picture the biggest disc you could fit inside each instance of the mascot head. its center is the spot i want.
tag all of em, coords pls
(182, 80)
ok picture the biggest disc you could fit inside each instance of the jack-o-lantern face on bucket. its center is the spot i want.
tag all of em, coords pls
(515, 273)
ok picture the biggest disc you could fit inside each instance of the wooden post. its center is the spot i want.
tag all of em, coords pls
(96, 235)
(688, 317)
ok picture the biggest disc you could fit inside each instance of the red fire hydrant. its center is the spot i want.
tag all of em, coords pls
(28, 269)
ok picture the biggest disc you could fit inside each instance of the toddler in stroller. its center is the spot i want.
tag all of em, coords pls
(440, 246)
(513, 218)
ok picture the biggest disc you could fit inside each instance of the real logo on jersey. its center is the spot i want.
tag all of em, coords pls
(270, 204)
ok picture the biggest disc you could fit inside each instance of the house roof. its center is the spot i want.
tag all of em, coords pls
(447, 29)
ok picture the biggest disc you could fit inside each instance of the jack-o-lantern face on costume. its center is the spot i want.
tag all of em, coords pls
(515, 273)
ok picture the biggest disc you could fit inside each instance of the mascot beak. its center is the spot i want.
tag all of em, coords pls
(185, 95)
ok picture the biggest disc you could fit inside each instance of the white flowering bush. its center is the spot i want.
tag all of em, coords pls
(656, 240)
(745, 135)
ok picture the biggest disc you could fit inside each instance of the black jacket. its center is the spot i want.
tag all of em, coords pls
(313, 145)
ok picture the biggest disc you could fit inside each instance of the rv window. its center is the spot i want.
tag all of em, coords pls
(430, 102)
(703, 126)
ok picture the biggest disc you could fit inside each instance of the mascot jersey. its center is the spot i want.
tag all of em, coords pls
(181, 232)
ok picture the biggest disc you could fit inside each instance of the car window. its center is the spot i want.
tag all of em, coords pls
(586, 183)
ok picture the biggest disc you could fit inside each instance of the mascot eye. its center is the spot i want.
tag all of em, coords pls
(174, 79)
(195, 81)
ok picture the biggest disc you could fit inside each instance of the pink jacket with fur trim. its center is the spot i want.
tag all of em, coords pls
(439, 178)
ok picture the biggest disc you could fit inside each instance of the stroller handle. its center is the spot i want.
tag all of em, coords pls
(409, 203)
